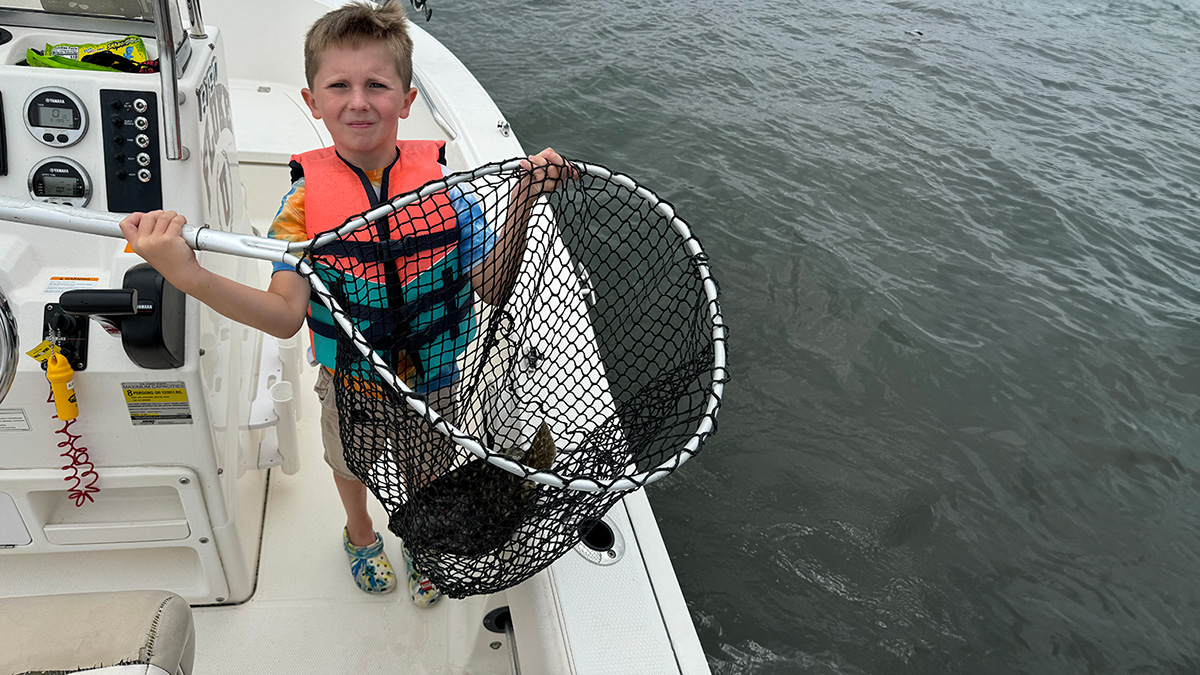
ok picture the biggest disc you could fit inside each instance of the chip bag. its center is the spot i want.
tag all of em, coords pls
(130, 47)
(42, 61)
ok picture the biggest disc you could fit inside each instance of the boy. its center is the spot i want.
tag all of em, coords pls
(358, 63)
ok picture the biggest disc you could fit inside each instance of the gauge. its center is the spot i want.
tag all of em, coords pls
(55, 117)
(60, 180)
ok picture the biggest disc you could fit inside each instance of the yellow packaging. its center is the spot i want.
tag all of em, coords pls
(130, 47)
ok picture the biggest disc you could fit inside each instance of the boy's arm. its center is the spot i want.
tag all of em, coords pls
(494, 276)
(279, 310)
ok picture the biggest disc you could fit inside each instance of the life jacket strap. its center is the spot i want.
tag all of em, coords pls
(391, 249)
(392, 331)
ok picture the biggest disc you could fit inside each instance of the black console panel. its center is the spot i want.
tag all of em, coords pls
(132, 158)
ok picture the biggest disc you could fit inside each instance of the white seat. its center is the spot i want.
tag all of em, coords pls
(148, 632)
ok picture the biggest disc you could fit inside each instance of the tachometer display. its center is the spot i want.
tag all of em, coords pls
(58, 118)
(55, 116)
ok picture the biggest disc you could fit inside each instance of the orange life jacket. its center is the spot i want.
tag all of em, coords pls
(398, 278)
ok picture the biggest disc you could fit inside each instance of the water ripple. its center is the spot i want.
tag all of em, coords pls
(958, 246)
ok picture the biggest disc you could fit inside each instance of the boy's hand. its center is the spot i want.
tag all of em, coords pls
(155, 236)
(545, 172)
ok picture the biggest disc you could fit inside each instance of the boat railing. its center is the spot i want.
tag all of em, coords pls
(438, 117)
(196, 19)
(169, 72)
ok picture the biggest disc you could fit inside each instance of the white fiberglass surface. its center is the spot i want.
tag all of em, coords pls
(307, 615)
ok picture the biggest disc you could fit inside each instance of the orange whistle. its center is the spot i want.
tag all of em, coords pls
(60, 373)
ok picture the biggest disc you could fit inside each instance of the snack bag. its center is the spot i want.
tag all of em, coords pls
(39, 60)
(130, 47)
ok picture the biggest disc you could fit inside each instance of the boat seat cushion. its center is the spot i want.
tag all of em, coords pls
(84, 631)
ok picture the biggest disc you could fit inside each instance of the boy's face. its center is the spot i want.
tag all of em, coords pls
(359, 95)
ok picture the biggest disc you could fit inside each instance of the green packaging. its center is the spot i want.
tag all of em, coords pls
(130, 47)
(42, 61)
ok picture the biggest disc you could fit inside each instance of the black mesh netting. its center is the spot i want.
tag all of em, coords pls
(590, 365)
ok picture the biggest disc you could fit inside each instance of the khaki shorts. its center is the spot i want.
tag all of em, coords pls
(442, 401)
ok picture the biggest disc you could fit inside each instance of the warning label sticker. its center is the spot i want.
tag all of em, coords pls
(60, 285)
(157, 403)
(44, 351)
(13, 419)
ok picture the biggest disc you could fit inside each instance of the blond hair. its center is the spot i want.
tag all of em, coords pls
(358, 24)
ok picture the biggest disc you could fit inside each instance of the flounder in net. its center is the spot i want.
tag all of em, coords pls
(476, 508)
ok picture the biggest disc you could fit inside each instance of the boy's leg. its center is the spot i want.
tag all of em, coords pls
(354, 499)
(369, 565)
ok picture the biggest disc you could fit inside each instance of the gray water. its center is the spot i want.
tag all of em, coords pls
(959, 249)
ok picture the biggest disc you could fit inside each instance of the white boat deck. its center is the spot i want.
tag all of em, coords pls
(305, 589)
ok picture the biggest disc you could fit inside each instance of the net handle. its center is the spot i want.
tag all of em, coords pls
(106, 224)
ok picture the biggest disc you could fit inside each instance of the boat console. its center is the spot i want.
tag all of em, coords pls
(166, 388)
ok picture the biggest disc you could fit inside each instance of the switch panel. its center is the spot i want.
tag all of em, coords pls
(132, 162)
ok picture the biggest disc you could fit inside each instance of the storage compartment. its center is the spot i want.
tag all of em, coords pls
(146, 528)
(37, 38)
(12, 528)
(179, 569)
(118, 515)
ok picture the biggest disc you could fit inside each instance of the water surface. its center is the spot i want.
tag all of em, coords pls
(959, 250)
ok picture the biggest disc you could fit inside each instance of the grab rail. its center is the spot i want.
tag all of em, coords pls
(164, 32)
(197, 21)
(433, 109)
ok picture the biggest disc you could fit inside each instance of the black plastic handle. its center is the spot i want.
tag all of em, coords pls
(104, 301)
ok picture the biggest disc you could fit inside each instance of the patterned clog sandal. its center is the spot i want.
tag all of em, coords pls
(420, 588)
(369, 565)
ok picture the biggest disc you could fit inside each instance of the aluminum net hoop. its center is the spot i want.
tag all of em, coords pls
(717, 373)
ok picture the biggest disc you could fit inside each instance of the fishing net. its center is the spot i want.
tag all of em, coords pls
(498, 403)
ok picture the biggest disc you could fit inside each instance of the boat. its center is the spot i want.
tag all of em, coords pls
(193, 467)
